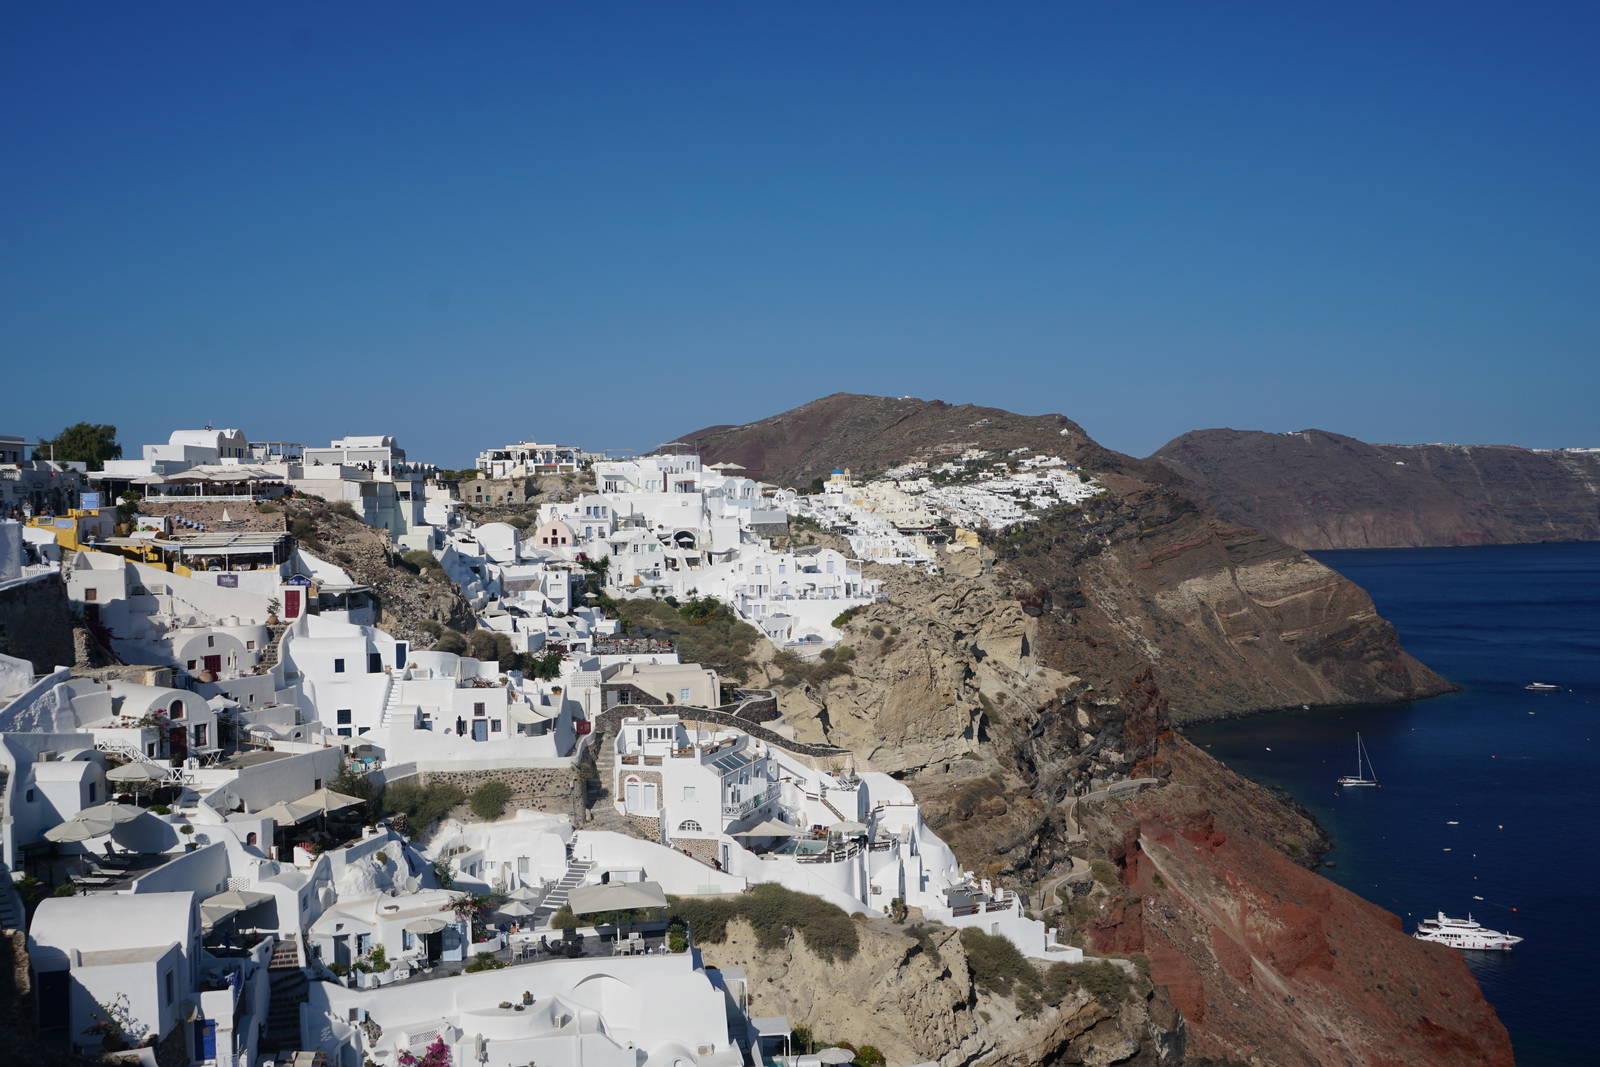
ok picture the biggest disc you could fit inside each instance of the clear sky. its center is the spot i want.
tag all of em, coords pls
(608, 224)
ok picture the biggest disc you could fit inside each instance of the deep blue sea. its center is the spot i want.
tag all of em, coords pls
(1490, 796)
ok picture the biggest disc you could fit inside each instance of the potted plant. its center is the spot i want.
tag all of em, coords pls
(272, 611)
(527, 997)
(188, 832)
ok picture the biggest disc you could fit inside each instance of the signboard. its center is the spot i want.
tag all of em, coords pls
(89, 501)
(228, 581)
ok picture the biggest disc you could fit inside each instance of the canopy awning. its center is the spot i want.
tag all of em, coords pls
(530, 713)
(616, 896)
(318, 803)
(772, 828)
(216, 908)
(848, 827)
(424, 926)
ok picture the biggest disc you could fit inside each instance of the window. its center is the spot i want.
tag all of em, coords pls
(249, 645)
(683, 696)
(211, 641)
(830, 566)
(172, 987)
(688, 792)
(344, 716)
(478, 709)
(494, 726)
(345, 731)
(689, 826)
(317, 784)
(91, 792)
(338, 666)
(175, 710)
(374, 662)
(200, 735)
(191, 665)
(30, 796)
(91, 594)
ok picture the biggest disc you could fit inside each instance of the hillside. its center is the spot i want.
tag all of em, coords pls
(1049, 660)
(1317, 490)
(1229, 620)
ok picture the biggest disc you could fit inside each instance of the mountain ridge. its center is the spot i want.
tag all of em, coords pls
(1316, 489)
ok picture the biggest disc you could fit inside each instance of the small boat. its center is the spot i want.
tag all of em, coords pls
(1364, 773)
(1542, 687)
(1463, 933)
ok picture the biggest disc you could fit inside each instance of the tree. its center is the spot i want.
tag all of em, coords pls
(84, 442)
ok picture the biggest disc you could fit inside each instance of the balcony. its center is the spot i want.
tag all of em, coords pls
(749, 804)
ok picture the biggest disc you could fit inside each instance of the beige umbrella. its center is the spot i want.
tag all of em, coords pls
(522, 892)
(848, 827)
(216, 908)
(836, 1055)
(112, 813)
(616, 896)
(516, 909)
(137, 771)
(424, 926)
(773, 828)
(319, 803)
(78, 830)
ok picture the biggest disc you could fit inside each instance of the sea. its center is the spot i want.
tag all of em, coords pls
(1489, 797)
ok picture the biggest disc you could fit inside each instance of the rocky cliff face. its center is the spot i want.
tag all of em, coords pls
(1323, 490)
(1050, 661)
(916, 1001)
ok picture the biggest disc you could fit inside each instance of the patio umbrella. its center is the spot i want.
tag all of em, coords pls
(616, 896)
(522, 892)
(773, 828)
(848, 827)
(78, 830)
(216, 908)
(112, 813)
(835, 1055)
(425, 926)
(137, 771)
(516, 909)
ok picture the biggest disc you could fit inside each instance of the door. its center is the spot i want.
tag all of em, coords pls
(650, 804)
(179, 738)
(55, 1007)
(452, 945)
(401, 651)
(480, 729)
(632, 799)
(214, 664)
(205, 1038)
(291, 603)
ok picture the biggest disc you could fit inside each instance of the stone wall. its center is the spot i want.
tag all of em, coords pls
(242, 515)
(701, 848)
(556, 790)
(36, 623)
(609, 721)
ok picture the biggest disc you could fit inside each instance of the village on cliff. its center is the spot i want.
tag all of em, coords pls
(189, 838)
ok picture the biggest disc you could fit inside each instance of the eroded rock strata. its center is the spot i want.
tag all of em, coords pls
(1047, 663)
(1315, 489)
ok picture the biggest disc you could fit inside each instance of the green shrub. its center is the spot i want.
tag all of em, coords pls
(423, 561)
(773, 911)
(490, 647)
(266, 507)
(1104, 981)
(422, 805)
(66, 889)
(868, 1056)
(841, 620)
(489, 800)
(1105, 873)
(301, 528)
(484, 961)
(346, 509)
(705, 630)
(450, 641)
(1000, 967)
(564, 919)
(925, 943)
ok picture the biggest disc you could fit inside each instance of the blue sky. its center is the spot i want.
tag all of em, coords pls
(609, 224)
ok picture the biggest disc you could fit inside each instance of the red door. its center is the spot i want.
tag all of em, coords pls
(214, 664)
(291, 603)
(179, 736)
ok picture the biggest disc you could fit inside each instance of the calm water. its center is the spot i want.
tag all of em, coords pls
(1492, 792)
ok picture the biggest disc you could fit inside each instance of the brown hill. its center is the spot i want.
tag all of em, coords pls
(1316, 489)
(1230, 620)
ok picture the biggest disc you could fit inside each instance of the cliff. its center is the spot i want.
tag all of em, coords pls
(1049, 661)
(1228, 619)
(1316, 489)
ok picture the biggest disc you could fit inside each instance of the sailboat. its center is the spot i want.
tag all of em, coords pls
(1364, 773)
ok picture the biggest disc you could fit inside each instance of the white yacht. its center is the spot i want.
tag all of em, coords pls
(1462, 933)
(1542, 687)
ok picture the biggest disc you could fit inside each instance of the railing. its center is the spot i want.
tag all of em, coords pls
(652, 761)
(631, 761)
(965, 909)
(745, 807)
(685, 753)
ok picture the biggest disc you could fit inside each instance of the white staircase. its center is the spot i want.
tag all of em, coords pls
(577, 870)
(391, 704)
